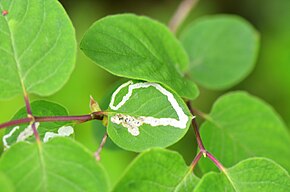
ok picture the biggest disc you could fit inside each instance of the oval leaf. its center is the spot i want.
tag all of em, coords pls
(137, 47)
(158, 169)
(255, 174)
(37, 49)
(144, 115)
(222, 50)
(59, 165)
(241, 126)
(46, 130)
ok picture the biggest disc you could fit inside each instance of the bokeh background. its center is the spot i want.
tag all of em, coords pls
(270, 79)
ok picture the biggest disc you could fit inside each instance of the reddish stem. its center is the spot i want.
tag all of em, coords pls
(30, 115)
(98, 152)
(215, 161)
(78, 118)
(16, 122)
(195, 160)
(203, 151)
(196, 129)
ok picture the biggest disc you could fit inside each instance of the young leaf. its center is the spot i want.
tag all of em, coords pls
(241, 126)
(37, 49)
(255, 174)
(137, 47)
(59, 165)
(157, 170)
(144, 115)
(222, 50)
(46, 130)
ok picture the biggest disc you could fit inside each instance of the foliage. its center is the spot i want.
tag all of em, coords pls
(152, 109)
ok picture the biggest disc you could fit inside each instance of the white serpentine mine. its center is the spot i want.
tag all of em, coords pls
(133, 123)
(27, 132)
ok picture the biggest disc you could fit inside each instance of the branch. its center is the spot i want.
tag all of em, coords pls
(196, 129)
(203, 151)
(195, 160)
(98, 152)
(29, 114)
(215, 161)
(78, 119)
(181, 13)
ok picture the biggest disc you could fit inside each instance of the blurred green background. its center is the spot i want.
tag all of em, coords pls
(270, 80)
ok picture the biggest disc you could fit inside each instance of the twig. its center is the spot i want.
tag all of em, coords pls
(98, 152)
(78, 119)
(196, 129)
(195, 160)
(203, 151)
(181, 13)
(215, 161)
(30, 115)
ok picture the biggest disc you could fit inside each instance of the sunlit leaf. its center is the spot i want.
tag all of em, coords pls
(157, 170)
(59, 165)
(37, 48)
(5, 184)
(255, 174)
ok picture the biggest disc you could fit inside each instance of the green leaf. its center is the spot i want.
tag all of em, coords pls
(241, 126)
(143, 115)
(222, 50)
(157, 170)
(38, 47)
(137, 47)
(45, 129)
(255, 174)
(5, 184)
(59, 165)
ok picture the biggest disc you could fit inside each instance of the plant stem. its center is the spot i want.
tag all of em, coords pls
(181, 13)
(30, 115)
(215, 161)
(78, 118)
(195, 160)
(98, 152)
(203, 151)
(196, 129)
(200, 114)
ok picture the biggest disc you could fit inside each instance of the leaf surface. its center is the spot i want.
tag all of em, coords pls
(40, 108)
(37, 49)
(5, 184)
(144, 115)
(222, 50)
(254, 174)
(137, 47)
(241, 126)
(59, 165)
(157, 170)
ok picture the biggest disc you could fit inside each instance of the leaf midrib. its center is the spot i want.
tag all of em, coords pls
(42, 167)
(15, 56)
